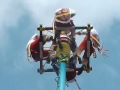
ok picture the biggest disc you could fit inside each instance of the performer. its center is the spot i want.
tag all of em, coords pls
(63, 31)
(33, 47)
(95, 44)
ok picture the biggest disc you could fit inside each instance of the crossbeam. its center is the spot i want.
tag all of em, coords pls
(63, 28)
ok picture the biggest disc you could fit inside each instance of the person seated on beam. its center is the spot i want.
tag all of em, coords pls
(94, 44)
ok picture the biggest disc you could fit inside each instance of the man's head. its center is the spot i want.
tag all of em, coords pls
(64, 15)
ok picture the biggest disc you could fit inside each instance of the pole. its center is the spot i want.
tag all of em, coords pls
(41, 49)
(64, 28)
(88, 45)
(62, 76)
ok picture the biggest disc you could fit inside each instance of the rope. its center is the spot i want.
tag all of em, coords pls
(77, 84)
(53, 25)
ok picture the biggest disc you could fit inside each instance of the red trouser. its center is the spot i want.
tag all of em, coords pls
(83, 46)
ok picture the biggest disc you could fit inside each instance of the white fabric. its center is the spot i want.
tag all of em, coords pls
(31, 40)
(93, 31)
(95, 38)
(28, 45)
(62, 21)
(65, 36)
(72, 12)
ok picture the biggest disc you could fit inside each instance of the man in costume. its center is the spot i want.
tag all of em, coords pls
(33, 47)
(63, 31)
(95, 44)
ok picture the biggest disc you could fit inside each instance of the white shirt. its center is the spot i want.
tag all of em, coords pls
(93, 31)
(94, 36)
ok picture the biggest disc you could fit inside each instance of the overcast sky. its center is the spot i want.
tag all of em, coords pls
(18, 22)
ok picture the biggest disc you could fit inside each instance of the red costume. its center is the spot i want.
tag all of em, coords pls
(33, 49)
(35, 52)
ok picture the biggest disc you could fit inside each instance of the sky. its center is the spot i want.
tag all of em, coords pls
(18, 22)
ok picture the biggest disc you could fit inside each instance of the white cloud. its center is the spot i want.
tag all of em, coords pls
(100, 13)
(10, 13)
(9, 17)
(40, 11)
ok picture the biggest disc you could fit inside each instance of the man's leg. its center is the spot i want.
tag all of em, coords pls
(54, 64)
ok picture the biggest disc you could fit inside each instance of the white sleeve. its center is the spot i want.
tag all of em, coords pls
(84, 31)
(93, 31)
(31, 40)
(34, 36)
